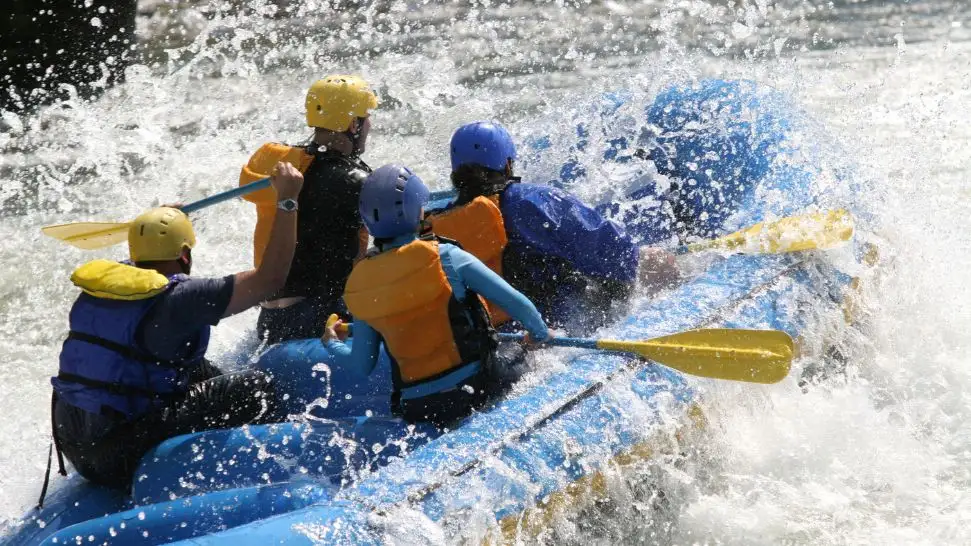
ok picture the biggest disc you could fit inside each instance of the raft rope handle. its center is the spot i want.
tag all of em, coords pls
(52, 447)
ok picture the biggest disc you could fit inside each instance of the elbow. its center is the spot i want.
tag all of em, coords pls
(275, 281)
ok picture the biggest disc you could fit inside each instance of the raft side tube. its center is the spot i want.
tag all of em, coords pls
(331, 453)
(164, 522)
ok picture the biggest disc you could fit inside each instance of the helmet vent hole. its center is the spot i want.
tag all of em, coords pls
(141, 231)
(376, 218)
(162, 232)
(476, 146)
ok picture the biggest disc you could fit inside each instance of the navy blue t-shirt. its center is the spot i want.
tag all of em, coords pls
(171, 325)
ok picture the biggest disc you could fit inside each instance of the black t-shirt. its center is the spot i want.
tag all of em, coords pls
(327, 227)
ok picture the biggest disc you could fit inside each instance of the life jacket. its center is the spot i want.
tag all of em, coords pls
(479, 228)
(260, 166)
(405, 296)
(102, 368)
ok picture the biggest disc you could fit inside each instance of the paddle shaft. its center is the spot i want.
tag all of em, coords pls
(265, 183)
(557, 341)
(226, 195)
(441, 194)
(534, 425)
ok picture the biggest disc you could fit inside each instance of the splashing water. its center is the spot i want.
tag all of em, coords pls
(880, 456)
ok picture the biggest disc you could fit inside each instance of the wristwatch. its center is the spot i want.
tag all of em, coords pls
(287, 205)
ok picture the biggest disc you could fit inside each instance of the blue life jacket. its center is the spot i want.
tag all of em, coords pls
(104, 370)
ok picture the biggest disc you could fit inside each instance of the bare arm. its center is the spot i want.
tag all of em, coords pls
(363, 237)
(657, 269)
(255, 285)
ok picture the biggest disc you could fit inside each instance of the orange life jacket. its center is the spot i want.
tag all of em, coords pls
(260, 166)
(405, 296)
(479, 228)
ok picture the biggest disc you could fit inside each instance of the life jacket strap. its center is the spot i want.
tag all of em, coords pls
(123, 350)
(113, 388)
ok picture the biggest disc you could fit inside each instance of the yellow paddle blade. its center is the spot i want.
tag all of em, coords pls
(818, 230)
(89, 235)
(755, 356)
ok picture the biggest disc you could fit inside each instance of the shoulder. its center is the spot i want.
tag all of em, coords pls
(525, 191)
(335, 165)
(357, 174)
(526, 198)
(455, 257)
(200, 288)
(445, 247)
(451, 252)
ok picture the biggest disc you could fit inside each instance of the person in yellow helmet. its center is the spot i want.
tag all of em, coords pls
(132, 370)
(330, 233)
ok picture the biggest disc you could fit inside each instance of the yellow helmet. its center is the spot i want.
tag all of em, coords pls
(334, 102)
(159, 235)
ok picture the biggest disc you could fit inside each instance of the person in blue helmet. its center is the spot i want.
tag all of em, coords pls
(420, 297)
(569, 260)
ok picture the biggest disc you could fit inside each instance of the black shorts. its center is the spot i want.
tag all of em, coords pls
(107, 449)
(447, 408)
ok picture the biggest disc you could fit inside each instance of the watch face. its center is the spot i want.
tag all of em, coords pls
(287, 205)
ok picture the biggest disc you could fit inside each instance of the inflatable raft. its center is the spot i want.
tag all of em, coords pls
(344, 471)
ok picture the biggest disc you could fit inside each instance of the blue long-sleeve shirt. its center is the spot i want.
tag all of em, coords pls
(464, 272)
(552, 222)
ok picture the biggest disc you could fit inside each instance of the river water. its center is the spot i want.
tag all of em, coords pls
(881, 457)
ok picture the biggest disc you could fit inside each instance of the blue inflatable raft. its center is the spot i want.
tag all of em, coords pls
(343, 469)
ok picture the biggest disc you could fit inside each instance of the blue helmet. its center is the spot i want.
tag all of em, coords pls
(482, 143)
(391, 201)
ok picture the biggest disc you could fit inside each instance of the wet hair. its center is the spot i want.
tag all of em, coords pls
(471, 181)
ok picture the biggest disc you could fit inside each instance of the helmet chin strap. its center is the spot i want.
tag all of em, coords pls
(356, 137)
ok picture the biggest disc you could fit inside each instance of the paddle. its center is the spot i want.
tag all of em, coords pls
(95, 235)
(754, 356)
(712, 351)
(816, 230)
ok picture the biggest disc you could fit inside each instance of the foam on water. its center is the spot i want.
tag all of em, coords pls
(881, 456)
